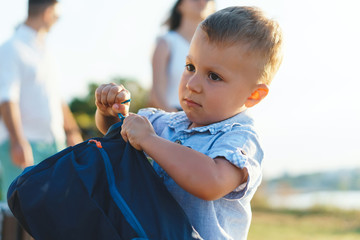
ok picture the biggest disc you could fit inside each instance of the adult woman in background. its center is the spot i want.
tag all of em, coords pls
(168, 60)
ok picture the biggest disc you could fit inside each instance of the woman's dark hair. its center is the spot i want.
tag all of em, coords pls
(174, 19)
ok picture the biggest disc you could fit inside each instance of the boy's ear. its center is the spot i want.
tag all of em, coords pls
(257, 95)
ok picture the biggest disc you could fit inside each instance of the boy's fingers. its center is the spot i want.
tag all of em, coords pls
(104, 95)
(122, 95)
(109, 99)
(98, 93)
(124, 135)
(119, 106)
(113, 92)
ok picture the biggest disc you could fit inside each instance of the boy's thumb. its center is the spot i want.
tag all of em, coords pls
(118, 107)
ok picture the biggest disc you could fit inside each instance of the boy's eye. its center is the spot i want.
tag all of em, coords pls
(214, 77)
(190, 67)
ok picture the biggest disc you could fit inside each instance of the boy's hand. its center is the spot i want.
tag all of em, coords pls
(136, 129)
(108, 99)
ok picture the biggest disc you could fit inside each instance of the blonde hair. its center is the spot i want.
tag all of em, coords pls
(248, 26)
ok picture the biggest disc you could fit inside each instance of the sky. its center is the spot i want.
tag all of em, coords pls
(308, 123)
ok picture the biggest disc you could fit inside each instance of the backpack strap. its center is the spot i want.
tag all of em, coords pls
(118, 199)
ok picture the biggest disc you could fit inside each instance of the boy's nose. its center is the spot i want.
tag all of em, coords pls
(194, 83)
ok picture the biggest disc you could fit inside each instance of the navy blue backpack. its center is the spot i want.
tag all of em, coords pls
(102, 189)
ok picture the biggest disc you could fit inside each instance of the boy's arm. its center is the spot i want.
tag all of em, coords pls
(198, 174)
(103, 122)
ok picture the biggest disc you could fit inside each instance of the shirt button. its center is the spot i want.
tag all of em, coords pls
(178, 142)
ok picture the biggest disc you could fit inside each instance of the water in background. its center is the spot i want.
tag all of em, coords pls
(348, 200)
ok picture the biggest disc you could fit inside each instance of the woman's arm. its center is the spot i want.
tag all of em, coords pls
(160, 79)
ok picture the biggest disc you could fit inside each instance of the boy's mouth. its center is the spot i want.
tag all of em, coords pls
(191, 103)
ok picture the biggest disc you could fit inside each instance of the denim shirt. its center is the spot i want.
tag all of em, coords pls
(234, 139)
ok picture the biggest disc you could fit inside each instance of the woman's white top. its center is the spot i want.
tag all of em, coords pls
(179, 48)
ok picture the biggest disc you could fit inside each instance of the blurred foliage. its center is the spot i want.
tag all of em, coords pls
(84, 108)
(316, 223)
(335, 180)
(260, 199)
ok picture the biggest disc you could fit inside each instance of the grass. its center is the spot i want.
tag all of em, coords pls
(313, 224)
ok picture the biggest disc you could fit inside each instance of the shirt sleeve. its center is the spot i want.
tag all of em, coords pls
(149, 112)
(9, 74)
(242, 149)
(157, 117)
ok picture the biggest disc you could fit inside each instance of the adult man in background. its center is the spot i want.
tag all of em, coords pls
(34, 122)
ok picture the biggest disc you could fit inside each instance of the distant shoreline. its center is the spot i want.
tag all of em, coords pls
(346, 200)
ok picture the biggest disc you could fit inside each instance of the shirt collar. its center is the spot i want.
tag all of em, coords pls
(180, 122)
(28, 34)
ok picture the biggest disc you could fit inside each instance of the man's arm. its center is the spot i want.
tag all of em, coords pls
(72, 131)
(21, 151)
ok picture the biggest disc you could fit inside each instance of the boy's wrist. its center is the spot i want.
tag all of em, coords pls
(147, 142)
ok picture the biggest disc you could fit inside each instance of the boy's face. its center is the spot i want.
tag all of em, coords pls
(217, 81)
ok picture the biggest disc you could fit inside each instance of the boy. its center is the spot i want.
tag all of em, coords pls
(209, 155)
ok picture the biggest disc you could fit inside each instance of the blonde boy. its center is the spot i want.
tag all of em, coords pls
(209, 155)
